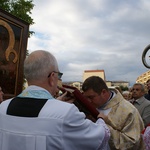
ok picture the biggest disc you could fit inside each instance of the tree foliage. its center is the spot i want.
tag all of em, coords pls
(124, 88)
(19, 8)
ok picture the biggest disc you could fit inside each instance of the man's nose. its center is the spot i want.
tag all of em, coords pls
(88, 99)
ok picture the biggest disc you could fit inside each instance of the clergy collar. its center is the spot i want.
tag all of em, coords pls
(112, 94)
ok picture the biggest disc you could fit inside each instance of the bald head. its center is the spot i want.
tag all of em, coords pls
(38, 65)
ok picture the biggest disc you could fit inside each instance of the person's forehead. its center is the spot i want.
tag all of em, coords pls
(125, 94)
(89, 92)
(137, 86)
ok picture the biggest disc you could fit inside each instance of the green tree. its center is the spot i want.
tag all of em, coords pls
(124, 88)
(19, 8)
(4, 4)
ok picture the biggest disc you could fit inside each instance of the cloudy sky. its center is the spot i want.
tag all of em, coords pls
(93, 34)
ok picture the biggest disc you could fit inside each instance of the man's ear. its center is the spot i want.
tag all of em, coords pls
(51, 79)
(103, 93)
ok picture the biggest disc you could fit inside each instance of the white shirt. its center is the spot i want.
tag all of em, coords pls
(59, 126)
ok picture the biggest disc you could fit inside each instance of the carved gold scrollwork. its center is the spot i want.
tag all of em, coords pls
(10, 48)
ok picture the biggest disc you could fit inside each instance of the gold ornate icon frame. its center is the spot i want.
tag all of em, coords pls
(13, 46)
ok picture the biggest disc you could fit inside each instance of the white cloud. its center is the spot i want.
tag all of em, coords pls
(93, 34)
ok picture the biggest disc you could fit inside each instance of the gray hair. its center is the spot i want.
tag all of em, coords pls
(142, 86)
(125, 92)
(39, 64)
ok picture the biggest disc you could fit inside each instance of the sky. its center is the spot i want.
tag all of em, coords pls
(107, 35)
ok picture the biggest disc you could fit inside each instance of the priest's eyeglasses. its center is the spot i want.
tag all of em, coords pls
(58, 73)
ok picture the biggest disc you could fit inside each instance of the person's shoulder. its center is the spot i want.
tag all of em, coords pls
(60, 104)
(5, 102)
(146, 102)
(127, 104)
(57, 101)
(4, 105)
(58, 109)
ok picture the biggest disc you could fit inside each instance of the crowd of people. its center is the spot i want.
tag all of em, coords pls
(40, 119)
(139, 96)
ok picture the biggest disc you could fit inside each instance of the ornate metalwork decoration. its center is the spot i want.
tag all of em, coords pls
(10, 48)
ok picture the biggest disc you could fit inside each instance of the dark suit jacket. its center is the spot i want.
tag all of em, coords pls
(147, 95)
(143, 106)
